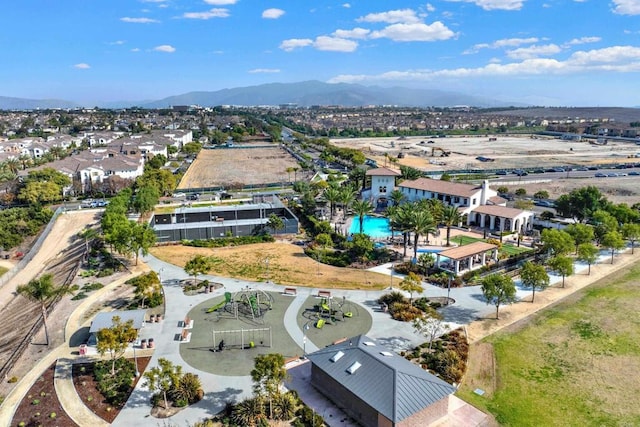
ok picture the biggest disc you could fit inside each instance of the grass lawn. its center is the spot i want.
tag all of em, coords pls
(507, 248)
(576, 364)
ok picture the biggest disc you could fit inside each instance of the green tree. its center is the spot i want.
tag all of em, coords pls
(541, 195)
(588, 252)
(563, 265)
(267, 374)
(333, 196)
(411, 283)
(397, 197)
(362, 208)
(520, 192)
(451, 216)
(523, 204)
(146, 286)
(581, 233)
(623, 213)
(556, 242)
(581, 203)
(631, 232)
(88, 234)
(275, 223)
(422, 224)
(502, 189)
(347, 196)
(197, 265)
(145, 199)
(430, 327)
(42, 291)
(604, 223)
(498, 289)
(142, 238)
(534, 276)
(613, 241)
(39, 192)
(163, 378)
(408, 173)
(115, 339)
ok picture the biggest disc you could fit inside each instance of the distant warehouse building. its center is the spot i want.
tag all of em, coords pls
(210, 222)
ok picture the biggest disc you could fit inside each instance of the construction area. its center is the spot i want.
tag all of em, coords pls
(240, 167)
(490, 152)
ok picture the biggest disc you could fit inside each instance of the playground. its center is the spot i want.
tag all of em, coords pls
(224, 334)
(326, 319)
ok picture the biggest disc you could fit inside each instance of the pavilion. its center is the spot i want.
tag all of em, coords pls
(467, 257)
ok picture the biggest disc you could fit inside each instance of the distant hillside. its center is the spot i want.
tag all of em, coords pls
(305, 94)
(8, 103)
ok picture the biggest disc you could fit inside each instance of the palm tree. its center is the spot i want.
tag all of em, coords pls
(332, 195)
(362, 208)
(422, 224)
(450, 216)
(397, 197)
(358, 175)
(43, 292)
(13, 164)
(401, 221)
(347, 196)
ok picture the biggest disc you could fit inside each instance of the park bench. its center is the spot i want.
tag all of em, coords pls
(324, 294)
(185, 336)
(187, 323)
(290, 291)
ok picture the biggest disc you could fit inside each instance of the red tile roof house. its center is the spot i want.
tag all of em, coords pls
(377, 387)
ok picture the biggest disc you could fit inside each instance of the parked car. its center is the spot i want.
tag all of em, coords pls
(634, 173)
(178, 195)
(600, 175)
(501, 173)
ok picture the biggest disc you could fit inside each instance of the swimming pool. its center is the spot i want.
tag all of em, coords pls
(373, 226)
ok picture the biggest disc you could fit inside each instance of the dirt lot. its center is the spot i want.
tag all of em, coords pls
(237, 167)
(527, 151)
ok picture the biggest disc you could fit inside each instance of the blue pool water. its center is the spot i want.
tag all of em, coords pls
(375, 227)
(443, 259)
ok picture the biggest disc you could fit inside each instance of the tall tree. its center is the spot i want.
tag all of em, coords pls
(197, 265)
(163, 378)
(332, 195)
(275, 223)
(581, 233)
(430, 326)
(631, 232)
(42, 291)
(267, 374)
(347, 196)
(397, 197)
(604, 223)
(451, 216)
(409, 173)
(411, 283)
(115, 339)
(142, 238)
(588, 252)
(498, 289)
(581, 203)
(145, 199)
(362, 208)
(563, 265)
(534, 276)
(422, 224)
(613, 241)
(556, 242)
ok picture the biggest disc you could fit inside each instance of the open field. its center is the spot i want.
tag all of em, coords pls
(288, 265)
(575, 364)
(526, 151)
(237, 167)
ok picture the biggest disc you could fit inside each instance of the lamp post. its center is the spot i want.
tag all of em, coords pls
(304, 340)
(448, 289)
(391, 276)
(266, 261)
(160, 275)
(135, 360)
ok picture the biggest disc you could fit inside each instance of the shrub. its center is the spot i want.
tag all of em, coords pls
(79, 296)
(391, 297)
(105, 272)
(115, 388)
(53, 415)
(404, 312)
(35, 402)
(13, 379)
(188, 389)
(229, 241)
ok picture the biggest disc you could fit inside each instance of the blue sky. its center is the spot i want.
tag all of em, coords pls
(543, 52)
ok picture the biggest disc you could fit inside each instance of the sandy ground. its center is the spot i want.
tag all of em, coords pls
(63, 232)
(237, 167)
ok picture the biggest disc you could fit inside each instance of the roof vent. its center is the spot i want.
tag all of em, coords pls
(353, 368)
(386, 354)
(337, 356)
(369, 343)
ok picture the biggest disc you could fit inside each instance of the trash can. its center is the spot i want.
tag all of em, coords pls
(143, 343)
(151, 343)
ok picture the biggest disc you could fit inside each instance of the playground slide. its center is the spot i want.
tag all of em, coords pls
(254, 305)
(227, 299)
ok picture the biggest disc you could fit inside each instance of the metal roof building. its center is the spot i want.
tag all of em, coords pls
(105, 319)
(377, 387)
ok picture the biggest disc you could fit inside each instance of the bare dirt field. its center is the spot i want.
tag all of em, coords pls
(288, 265)
(237, 167)
(511, 151)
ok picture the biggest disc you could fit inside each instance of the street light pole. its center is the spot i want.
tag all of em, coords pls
(448, 289)
(391, 275)
(135, 360)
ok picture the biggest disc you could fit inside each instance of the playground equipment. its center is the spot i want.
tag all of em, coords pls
(330, 311)
(250, 303)
(241, 339)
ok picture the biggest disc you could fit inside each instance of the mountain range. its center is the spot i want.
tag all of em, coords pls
(303, 94)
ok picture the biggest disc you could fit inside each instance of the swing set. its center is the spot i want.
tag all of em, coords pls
(242, 339)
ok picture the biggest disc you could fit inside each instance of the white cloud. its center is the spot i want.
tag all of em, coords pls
(430, 7)
(165, 48)
(415, 32)
(116, 43)
(213, 13)
(346, 5)
(583, 40)
(513, 42)
(495, 4)
(135, 49)
(622, 59)
(272, 13)
(406, 16)
(82, 66)
(626, 7)
(355, 33)
(534, 51)
(264, 70)
(221, 2)
(139, 20)
(291, 44)
(335, 44)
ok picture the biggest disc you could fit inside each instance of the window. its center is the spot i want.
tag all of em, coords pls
(354, 367)
(474, 201)
(337, 356)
